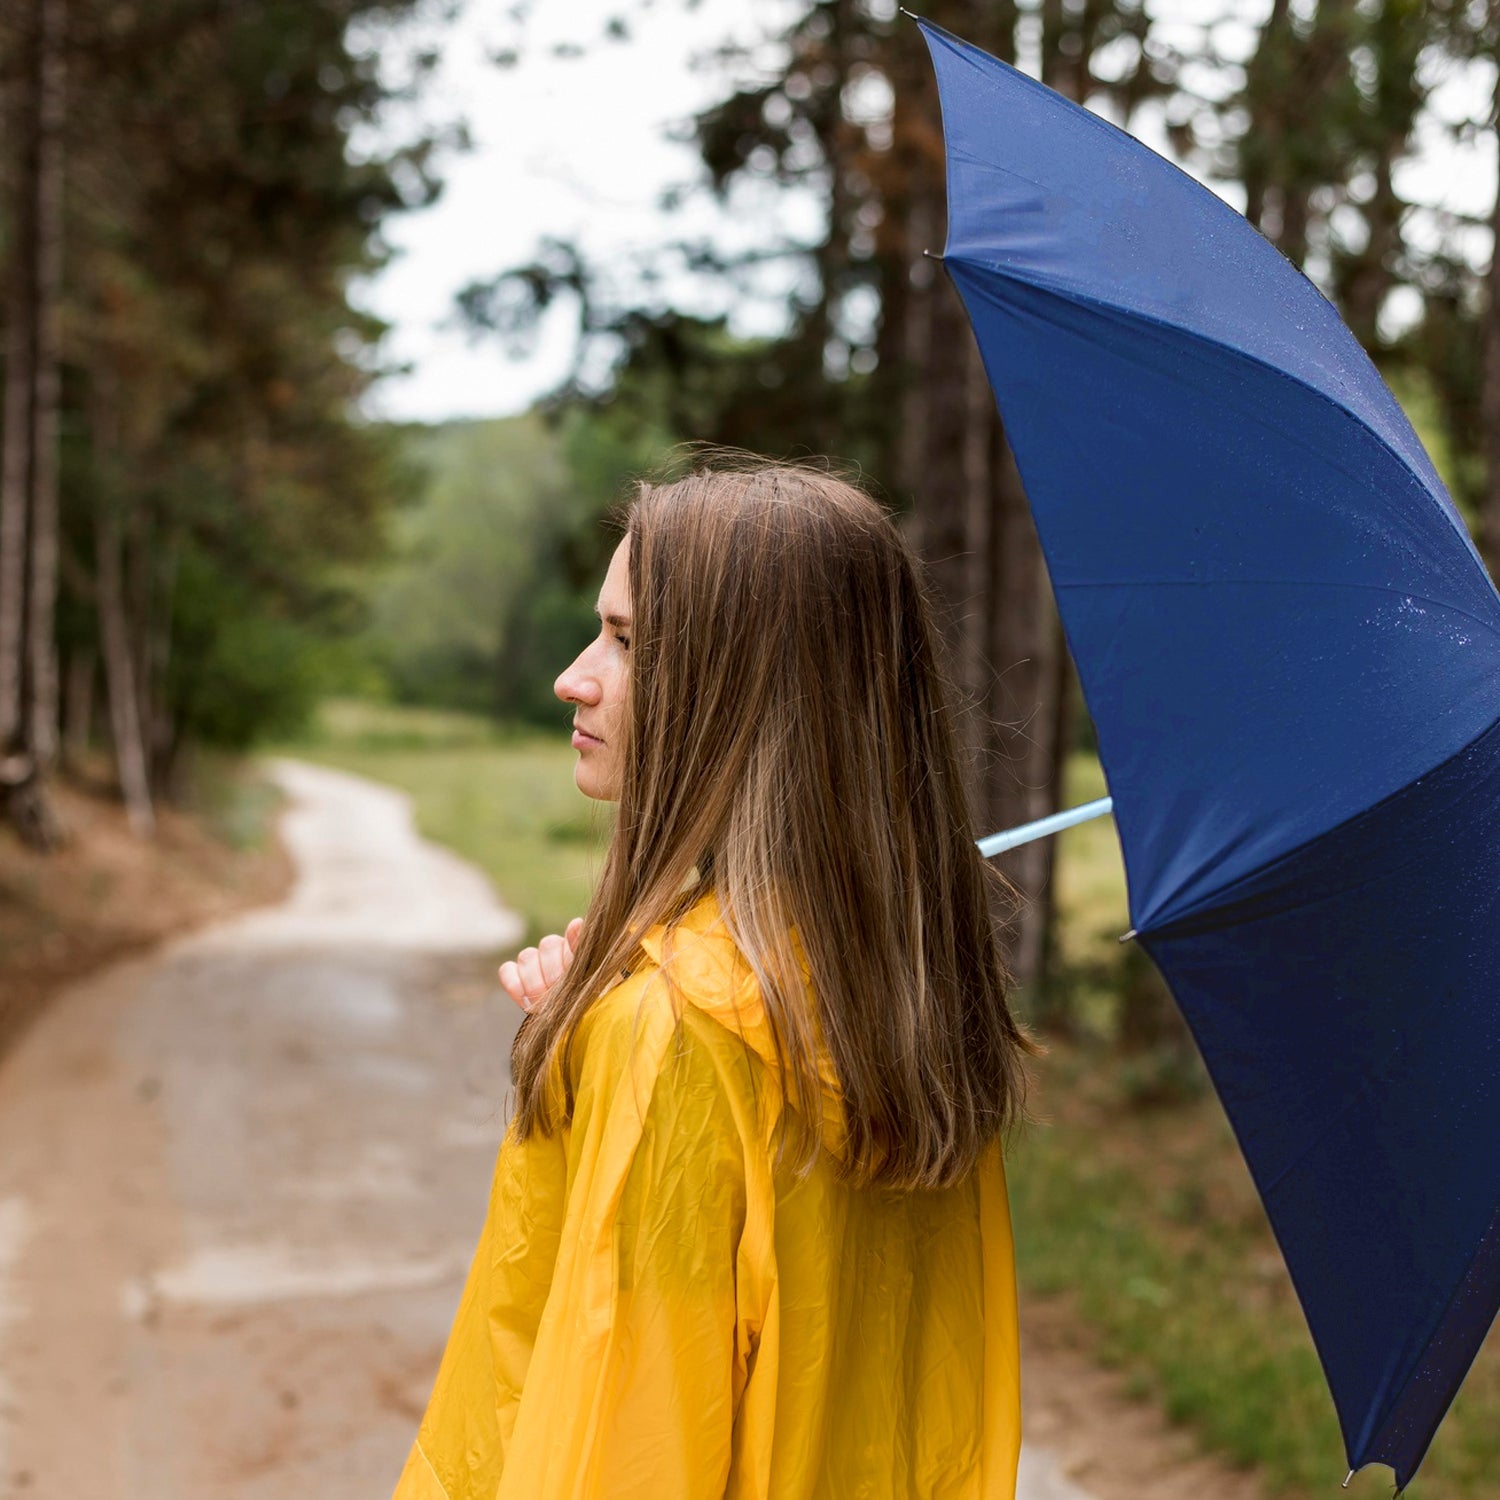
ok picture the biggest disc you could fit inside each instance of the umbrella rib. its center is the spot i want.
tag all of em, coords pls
(1291, 583)
(1437, 1327)
(1328, 1123)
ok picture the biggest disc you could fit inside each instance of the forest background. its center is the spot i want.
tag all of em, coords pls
(204, 536)
(200, 534)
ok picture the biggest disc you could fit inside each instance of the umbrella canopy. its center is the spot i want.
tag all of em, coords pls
(1291, 651)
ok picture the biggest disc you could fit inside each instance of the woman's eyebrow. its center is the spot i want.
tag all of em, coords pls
(620, 620)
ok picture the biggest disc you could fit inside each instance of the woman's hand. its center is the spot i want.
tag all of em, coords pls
(529, 977)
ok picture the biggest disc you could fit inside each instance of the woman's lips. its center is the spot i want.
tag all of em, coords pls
(582, 741)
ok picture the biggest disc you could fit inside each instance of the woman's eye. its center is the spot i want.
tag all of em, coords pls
(624, 640)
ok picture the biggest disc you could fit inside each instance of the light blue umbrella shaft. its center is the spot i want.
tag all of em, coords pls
(1010, 838)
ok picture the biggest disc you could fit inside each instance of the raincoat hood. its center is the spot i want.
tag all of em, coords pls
(706, 967)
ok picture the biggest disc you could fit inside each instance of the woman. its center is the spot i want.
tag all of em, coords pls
(748, 1232)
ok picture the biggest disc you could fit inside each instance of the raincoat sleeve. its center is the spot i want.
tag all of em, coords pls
(630, 1389)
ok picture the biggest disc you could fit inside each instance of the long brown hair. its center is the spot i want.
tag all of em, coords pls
(789, 745)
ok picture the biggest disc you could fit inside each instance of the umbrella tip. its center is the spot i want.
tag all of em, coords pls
(905, 12)
(1347, 1478)
(1125, 937)
(932, 255)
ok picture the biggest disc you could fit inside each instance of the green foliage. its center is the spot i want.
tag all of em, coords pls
(356, 724)
(241, 670)
(459, 554)
(494, 566)
(215, 218)
(1461, 471)
(462, 556)
(1441, 383)
(233, 798)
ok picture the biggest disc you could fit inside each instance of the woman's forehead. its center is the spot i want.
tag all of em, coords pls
(614, 593)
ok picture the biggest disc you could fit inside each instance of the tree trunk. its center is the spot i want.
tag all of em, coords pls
(42, 595)
(977, 459)
(1066, 698)
(996, 607)
(122, 691)
(15, 473)
(78, 706)
(942, 503)
(28, 473)
(1024, 644)
(119, 673)
(1264, 131)
(161, 739)
(910, 448)
(973, 527)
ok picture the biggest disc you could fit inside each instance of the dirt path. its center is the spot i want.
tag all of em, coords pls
(242, 1178)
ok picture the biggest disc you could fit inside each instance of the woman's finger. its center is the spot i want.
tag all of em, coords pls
(515, 986)
(531, 974)
(529, 962)
(550, 959)
(510, 981)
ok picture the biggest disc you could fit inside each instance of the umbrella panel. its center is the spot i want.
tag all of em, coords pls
(1365, 966)
(1272, 622)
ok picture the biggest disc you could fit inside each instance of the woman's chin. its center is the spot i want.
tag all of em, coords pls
(591, 784)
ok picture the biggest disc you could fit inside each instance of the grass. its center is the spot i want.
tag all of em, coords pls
(1146, 1218)
(1092, 910)
(1091, 906)
(233, 800)
(504, 799)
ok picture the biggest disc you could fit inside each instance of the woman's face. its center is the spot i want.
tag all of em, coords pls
(595, 685)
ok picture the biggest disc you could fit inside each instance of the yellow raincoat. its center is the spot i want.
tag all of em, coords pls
(654, 1311)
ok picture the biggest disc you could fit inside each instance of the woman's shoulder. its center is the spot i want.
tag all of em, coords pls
(696, 969)
(687, 965)
(691, 997)
(643, 1055)
(696, 948)
(694, 1004)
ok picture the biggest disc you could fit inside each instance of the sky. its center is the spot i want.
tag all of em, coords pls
(563, 147)
(577, 147)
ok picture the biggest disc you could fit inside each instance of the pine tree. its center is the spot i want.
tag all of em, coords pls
(181, 450)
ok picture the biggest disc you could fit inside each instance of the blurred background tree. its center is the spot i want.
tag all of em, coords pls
(183, 467)
(200, 535)
(1307, 115)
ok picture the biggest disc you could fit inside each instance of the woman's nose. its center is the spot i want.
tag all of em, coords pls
(577, 685)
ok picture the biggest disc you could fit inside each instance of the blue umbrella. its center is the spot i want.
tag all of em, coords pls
(1291, 652)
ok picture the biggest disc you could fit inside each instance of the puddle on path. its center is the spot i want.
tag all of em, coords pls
(246, 1275)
